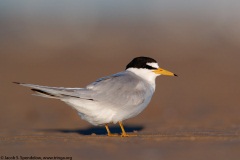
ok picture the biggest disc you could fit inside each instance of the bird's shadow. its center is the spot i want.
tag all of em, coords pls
(98, 130)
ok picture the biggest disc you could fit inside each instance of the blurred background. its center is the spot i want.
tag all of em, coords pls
(72, 43)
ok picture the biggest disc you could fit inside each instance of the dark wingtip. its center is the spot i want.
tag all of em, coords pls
(43, 92)
(16, 82)
(175, 75)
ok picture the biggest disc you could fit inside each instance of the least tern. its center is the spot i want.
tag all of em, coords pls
(110, 99)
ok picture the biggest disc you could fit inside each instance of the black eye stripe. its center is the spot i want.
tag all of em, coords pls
(149, 67)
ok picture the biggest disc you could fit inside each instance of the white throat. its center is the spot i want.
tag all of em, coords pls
(145, 74)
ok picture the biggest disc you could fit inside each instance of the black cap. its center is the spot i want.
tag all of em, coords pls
(141, 62)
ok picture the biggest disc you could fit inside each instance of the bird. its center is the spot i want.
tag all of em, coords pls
(110, 99)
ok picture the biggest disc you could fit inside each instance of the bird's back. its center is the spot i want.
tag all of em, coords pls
(121, 89)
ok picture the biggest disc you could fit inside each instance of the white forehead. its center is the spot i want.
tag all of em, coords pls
(153, 64)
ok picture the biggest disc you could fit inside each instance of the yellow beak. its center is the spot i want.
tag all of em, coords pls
(164, 72)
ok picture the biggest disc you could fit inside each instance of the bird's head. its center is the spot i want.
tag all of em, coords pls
(147, 68)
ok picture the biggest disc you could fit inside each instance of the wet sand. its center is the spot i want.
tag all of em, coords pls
(176, 145)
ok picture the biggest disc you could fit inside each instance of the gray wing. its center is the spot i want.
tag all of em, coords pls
(121, 89)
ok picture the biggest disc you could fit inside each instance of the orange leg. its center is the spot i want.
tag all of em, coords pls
(109, 132)
(124, 134)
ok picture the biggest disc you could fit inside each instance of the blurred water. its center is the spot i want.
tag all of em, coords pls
(71, 6)
(149, 25)
(83, 10)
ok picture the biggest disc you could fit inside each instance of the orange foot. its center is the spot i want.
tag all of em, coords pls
(112, 135)
(128, 135)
